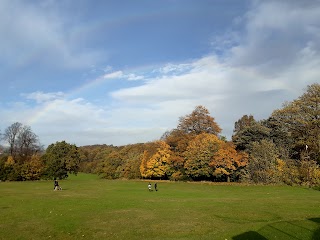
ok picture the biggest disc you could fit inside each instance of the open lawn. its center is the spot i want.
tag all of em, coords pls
(91, 208)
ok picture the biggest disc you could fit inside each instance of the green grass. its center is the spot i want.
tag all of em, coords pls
(91, 208)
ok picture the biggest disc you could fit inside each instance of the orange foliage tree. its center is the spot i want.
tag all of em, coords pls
(207, 156)
(227, 160)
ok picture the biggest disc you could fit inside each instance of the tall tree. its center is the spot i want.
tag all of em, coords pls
(10, 136)
(23, 143)
(27, 143)
(199, 121)
(60, 159)
(244, 122)
(263, 161)
(301, 119)
(255, 132)
(280, 137)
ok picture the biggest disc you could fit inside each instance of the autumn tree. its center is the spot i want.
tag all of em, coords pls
(33, 169)
(60, 159)
(227, 161)
(7, 170)
(177, 140)
(156, 165)
(310, 172)
(199, 121)
(199, 154)
(208, 157)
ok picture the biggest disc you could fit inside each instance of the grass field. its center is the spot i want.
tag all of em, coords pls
(91, 208)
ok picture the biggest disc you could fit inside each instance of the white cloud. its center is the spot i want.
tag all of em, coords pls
(113, 75)
(174, 68)
(275, 33)
(134, 77)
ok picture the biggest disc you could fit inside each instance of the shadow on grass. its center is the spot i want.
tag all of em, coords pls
(285, 230)
(316, 234)
(251, 235)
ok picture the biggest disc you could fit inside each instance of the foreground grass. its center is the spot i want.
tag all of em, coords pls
(91, 208)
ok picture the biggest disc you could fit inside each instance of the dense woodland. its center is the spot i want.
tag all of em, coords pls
(284, 148)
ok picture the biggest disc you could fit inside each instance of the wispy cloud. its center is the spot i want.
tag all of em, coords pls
(113, 75)
(120, 74)
(41, 97)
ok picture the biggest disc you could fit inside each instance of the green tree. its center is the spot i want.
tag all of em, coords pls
(263, 162)
(280, 137)
(109, 167)
(244, 122)
(60, 159)
(301, 119)
(254, 132)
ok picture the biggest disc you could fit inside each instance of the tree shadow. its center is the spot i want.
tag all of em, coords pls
(297, 230)
(316, 234)
(251, 235)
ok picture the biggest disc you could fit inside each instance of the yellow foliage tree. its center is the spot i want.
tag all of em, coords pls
(156, 166)
(199, 154)
(33, 169)
(10, 161)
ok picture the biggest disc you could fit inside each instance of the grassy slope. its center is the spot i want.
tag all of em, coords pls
(90, 208)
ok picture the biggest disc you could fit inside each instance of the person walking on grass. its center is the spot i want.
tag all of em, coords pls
(149, 187)
(156, 187)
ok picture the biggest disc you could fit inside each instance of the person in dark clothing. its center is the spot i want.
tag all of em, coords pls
(156, 187)
(56, 185)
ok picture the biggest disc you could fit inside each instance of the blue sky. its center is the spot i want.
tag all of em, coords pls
(120, 72)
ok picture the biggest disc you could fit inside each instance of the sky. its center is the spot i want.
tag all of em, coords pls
(122, 72)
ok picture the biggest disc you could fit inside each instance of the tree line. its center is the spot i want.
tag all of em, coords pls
(284, 148)
(25, 159)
